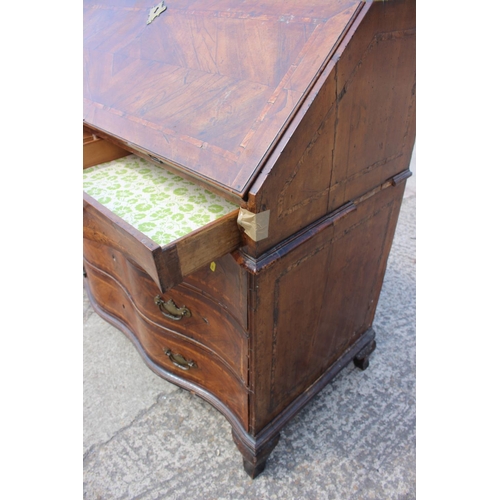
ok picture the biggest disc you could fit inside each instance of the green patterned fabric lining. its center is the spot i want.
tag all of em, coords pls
(158, 203)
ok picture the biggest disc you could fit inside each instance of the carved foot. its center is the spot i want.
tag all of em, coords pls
(252, 470)
(362, 359)
(255, 455)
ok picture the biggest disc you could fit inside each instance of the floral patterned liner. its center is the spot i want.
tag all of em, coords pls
(161, 205)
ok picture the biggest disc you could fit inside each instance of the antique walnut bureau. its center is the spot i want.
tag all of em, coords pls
(300, 116)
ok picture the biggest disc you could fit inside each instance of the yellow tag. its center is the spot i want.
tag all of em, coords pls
(212, 266)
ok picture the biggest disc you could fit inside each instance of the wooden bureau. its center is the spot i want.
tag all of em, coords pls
(301, 114)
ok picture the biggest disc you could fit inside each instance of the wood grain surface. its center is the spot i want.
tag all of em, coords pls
(314, 299)
(305, 109)
(355, 130)
(210, 372)
(207, 86)
(209, 323)
(97, 150)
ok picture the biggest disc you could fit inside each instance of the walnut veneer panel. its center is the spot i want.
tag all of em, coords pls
(316, 301)
(207, 86)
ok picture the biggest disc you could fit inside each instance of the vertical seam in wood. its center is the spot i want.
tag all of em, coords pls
(386, 252)
(251, 300)
(410, 113)
(335, 123)
(274, 342)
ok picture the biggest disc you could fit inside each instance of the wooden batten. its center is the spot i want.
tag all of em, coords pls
(208, 243)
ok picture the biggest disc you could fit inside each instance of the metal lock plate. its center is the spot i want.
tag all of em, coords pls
(156, 11)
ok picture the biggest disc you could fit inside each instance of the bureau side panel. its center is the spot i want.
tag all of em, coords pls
(316, 301)
(356, 131)
(376, 85)
(294, 186)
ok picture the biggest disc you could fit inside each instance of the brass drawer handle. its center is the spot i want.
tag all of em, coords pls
(170, 310)
(179, 360)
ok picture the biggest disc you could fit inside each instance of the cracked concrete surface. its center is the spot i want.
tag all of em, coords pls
(147, 439)
(117, 385)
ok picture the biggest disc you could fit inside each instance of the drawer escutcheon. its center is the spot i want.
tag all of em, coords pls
(170, 310)
(179, 360)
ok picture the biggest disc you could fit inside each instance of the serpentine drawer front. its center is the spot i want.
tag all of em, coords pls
(166, 350)
(207, 322)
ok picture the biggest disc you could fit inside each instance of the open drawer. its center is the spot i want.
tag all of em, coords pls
(120, 195)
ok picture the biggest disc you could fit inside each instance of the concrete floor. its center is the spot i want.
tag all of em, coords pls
(146, 439)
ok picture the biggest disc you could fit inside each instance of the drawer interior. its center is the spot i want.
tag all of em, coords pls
(97, 150)
(158, 203)
(167, 225)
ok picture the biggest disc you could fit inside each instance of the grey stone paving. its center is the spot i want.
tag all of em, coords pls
(146, 439)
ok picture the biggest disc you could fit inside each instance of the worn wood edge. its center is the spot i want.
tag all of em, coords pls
(292, 122)
(149, 250)
(402, 176)
(268, 258)
(168, 267)
(198, 344)
(254, 444)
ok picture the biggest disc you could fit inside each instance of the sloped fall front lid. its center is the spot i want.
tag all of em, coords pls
(207, 86)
